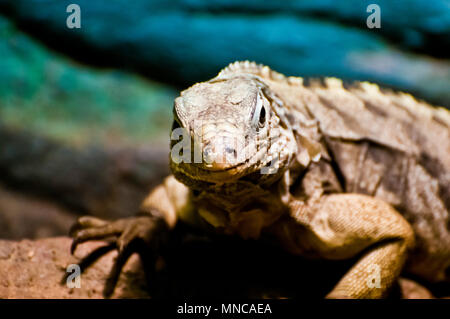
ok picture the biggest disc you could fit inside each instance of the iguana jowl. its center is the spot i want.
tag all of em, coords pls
(357, 170)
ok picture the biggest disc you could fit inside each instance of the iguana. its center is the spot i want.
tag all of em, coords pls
(323, 169)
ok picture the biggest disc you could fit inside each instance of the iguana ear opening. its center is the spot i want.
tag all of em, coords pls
(308, 150)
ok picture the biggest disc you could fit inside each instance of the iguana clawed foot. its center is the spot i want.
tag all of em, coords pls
(145, 235)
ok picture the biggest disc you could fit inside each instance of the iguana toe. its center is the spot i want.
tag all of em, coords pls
(145, 235)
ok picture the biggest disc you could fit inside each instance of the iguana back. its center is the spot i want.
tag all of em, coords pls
(384, 144)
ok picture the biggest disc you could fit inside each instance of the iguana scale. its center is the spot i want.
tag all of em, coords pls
(325, 170)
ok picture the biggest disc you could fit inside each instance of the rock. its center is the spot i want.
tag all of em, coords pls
(35, 269)
(23, 216)
(417, 24)
(94, 141)
(48, 94)
(106, 182)
(413, 290)
(185, 41)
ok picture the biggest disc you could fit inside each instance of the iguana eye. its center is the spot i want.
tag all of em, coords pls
(262, 117)
(259, 115)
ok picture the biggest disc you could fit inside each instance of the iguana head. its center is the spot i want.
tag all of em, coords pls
(228, 128)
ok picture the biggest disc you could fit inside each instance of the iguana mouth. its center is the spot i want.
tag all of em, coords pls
(214, 168)
(200, 173)
(220, 169)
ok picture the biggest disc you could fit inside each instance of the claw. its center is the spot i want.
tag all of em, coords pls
(74, 245)
(82, 234)
(86, 222)
(113, 277)
(74, 229)
(142, 235)
(90, 259)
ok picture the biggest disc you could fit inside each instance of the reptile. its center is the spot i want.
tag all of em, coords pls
(322, 168)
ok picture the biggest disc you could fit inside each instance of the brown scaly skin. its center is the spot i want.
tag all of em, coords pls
(360, 171)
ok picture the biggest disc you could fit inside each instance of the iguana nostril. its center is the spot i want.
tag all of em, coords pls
(207, 153)
(231, 150)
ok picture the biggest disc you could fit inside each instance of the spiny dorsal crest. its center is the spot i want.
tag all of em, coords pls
(408, 101)
(246, 67)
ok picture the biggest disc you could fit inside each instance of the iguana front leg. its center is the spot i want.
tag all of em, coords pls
(145, 234)
(345, 225)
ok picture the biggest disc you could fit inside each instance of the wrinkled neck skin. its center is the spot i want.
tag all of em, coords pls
(243, 207)
(237, 194)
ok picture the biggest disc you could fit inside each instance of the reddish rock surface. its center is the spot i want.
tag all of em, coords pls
(412, 290)
(35, 269)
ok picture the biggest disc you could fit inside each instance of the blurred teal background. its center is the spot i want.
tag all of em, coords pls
(85, 113)
(115, 78)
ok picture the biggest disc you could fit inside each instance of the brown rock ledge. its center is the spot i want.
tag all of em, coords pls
(35, 269)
